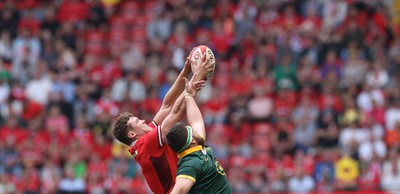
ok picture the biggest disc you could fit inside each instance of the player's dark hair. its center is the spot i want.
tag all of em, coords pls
(177, 136)
(120, 128)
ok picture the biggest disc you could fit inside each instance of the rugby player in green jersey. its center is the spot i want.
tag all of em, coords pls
(198, 170)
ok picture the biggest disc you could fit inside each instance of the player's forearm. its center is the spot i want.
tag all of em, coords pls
(179, 106)
(176, 191)
(194, 116)
(182, 186)
(176, 114)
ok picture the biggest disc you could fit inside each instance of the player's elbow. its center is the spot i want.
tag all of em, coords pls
(166, 109)
(166, 105)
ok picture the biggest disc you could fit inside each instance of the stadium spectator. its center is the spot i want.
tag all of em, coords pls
(390, 171)
(9, 19)
(392, 115)
(346, 172)
(370, 174)
(71, 184)
(304, 118)
(301, 182)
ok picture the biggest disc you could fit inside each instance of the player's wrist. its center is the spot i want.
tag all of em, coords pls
(189, 95)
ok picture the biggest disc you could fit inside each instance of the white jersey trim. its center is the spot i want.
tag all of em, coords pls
(159, 133)
(154, 123)
(159, 136)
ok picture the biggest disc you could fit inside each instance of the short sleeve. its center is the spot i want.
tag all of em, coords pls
(188, 169)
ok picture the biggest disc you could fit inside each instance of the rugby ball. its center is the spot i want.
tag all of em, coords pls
(200, 54)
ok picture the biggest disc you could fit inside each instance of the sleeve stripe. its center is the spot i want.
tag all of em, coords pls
(159, 136)
(186, 177)
(154, 123)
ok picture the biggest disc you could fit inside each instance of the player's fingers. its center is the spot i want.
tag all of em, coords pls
(205, 62)
(210, 67)
(201, 82)
(208, 61)
(194, 76)
(198, 87)
(186, 80)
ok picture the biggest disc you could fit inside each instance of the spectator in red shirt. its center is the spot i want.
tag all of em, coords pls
(31, 110)
(73, 11)
(56, 121)
(215, 109)
(31, 180)
(289, 19)
(329, 99)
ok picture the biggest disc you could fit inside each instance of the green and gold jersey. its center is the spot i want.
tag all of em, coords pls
(200, 165)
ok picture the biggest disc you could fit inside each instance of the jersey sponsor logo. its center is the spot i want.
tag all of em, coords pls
(220, 170)
(163, 171)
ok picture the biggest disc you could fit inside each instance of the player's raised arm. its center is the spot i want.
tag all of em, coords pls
(194, 115)
(179, 108)
(173, 94)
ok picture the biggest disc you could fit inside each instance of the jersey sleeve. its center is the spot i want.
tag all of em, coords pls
(188, 169)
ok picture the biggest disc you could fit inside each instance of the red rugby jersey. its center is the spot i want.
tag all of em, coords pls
(157, 160)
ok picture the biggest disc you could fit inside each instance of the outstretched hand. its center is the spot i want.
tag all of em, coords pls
(188, 62)
(192, 86)
(204, 68)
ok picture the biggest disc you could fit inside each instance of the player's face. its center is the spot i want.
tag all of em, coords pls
(138, 126)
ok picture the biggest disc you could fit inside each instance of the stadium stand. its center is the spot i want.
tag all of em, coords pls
(305, 97)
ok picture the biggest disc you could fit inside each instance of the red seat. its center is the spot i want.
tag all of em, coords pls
(94, 36)
(150, 5)
(31, 24)
(117, 35)
(95, 49)
(138, 34)
(129, 11)
(262, 128)
(149, 8)
(117, 22)
(27, 4)
(130, 5)
(140, 21)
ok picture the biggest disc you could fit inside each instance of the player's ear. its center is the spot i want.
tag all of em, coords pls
(132, 134)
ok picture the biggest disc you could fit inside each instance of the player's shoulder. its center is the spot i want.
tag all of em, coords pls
(192, 161)
(194, 158)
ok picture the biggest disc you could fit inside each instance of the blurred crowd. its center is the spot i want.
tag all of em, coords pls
(305, 97)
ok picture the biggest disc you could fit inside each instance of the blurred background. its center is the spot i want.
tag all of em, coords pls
(305, 97)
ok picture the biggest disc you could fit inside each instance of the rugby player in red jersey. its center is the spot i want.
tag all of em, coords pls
(147, 141)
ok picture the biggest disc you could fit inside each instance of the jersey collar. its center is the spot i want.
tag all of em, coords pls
(131, 150)
(189, 151)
